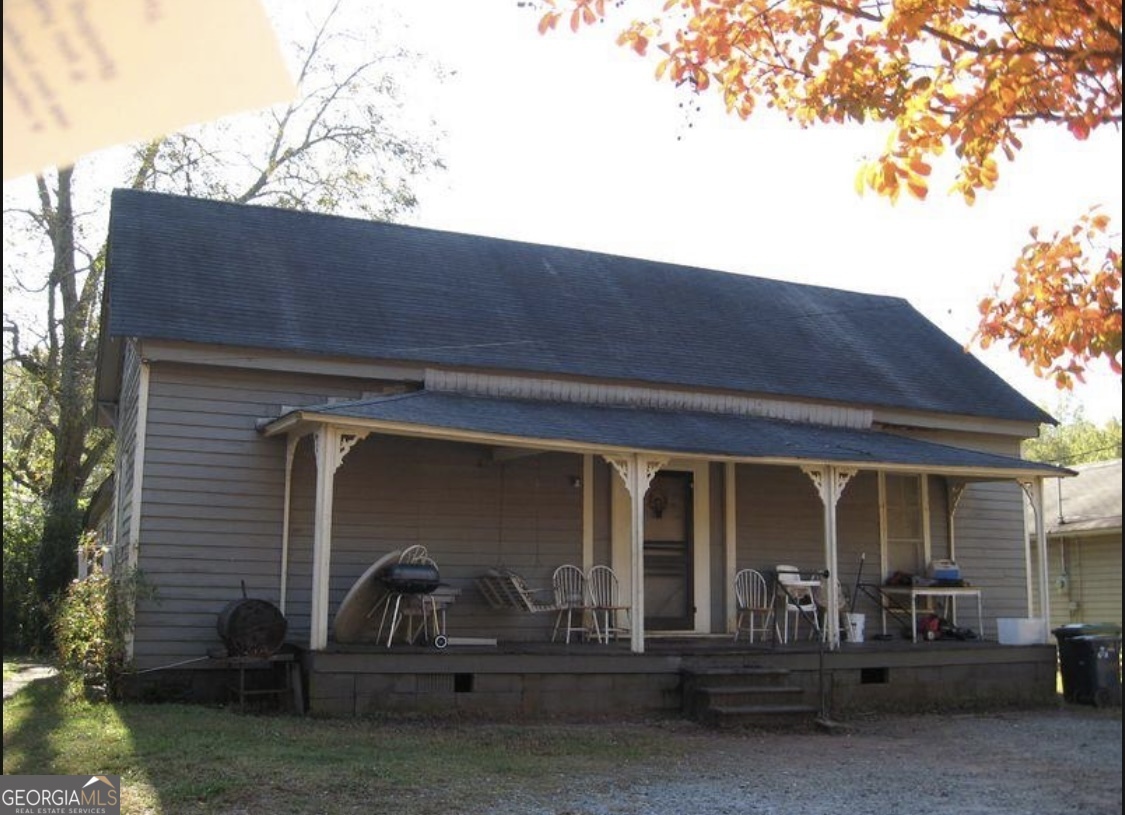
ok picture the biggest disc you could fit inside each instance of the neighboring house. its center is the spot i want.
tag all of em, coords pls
(296, 395)
(1083, 526)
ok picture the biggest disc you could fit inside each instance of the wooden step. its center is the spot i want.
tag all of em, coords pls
(744, 695)
(726, 696)
(767, 716)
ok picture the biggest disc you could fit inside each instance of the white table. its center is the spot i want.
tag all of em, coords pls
(950, 593)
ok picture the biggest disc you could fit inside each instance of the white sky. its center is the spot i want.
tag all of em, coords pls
(568, 140)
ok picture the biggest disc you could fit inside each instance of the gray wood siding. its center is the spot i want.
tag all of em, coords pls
(989, 534)
(1091, 592)
(213, 495)
(603, 501)
(857, 537)
(982, 442)
(126, 429)
(779, 520)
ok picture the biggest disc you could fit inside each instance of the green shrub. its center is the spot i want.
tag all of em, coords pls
(26, 620)
(91, 626)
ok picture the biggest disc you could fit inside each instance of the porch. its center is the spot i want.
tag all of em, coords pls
(525, 503)
(591, 679)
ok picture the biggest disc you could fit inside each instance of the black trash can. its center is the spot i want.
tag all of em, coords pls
(1090, 661)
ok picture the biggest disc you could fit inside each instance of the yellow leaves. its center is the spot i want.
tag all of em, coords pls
(861, 180)
(989, 172)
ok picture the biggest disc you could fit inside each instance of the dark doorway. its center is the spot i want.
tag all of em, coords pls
(669, 604)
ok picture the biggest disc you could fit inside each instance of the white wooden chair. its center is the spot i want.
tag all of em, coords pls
(606, 606)
(571, 601)
(754, 604)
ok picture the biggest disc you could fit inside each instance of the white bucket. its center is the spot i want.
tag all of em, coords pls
(856, 623)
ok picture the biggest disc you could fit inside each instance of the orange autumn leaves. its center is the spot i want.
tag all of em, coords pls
(951, 78)
(1063, 310)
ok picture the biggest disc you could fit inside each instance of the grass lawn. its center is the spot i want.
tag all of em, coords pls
(181, 758)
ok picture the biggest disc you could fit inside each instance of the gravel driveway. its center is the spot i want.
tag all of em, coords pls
(1012, 763)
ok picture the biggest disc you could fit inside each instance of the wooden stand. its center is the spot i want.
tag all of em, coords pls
(291, 687)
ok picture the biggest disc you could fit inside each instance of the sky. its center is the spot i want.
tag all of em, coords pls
(568, 140)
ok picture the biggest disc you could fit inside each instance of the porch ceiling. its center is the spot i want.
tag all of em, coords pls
(614, 430)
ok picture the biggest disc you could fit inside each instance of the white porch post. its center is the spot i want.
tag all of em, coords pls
(332, 445)
(830, 481)
(1034, 491)
(290, 450)
(637, 472)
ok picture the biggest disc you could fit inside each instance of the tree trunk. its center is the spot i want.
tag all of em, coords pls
(68, 377)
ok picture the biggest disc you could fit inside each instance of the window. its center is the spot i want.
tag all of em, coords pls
(904, 523)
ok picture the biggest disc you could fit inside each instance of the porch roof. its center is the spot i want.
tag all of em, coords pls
(613, 430)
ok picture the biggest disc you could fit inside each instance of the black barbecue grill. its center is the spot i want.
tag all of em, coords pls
(411, 578)
(413, 581)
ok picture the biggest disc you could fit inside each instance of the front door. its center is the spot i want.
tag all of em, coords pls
(669, 605)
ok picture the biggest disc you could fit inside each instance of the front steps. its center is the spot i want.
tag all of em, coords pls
(745, 696)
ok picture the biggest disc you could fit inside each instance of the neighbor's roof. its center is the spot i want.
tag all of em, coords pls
(1090, 502)
(202, 271)
(605, 429)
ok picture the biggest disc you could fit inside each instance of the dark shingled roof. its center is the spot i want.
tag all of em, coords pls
(203, 271)
(1089, 503)
(679, 432)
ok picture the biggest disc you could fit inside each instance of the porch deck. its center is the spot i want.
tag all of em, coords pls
(595, 679)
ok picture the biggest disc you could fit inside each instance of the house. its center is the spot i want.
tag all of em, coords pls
(297, 395)
(1082, 516)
